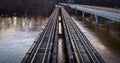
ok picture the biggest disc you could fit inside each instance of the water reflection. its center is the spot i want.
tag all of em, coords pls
(16, 36)
(105, 38)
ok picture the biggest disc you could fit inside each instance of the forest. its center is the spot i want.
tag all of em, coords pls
(45, 7)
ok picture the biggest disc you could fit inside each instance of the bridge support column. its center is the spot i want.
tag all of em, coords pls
(108, 24)
(75, 11)
(83, 17)
(97, 20)
(90, 18)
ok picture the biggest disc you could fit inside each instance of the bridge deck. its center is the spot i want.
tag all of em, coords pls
(81, 49)
(44, 48)
(109, 13)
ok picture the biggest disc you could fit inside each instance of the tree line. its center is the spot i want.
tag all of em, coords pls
(44, 7)
(26, 7)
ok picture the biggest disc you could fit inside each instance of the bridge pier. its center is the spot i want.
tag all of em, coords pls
(76, 11)
(108, 24)
(83, 16)
(91, 18)
(97, 20)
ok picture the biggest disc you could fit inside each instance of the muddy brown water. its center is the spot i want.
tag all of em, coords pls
(105, 39)
(17, 35)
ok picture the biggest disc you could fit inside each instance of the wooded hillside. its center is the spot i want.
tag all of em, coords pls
(44, 7)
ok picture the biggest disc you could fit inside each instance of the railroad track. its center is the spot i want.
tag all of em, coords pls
(44, 49)
(79, 49)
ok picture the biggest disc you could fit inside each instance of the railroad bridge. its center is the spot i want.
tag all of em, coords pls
(78, 48)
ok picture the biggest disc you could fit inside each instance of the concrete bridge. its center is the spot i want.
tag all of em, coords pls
(112, 15)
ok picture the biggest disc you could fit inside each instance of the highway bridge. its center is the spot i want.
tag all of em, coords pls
(78, 49)
(113, 15)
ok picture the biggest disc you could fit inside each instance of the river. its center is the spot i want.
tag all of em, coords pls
(17, 35)
(105, 38)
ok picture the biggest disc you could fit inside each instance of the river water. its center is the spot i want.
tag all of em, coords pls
(17, 35)
(104, 38)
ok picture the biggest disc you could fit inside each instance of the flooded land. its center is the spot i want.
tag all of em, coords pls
(105, 38)
(17, 35)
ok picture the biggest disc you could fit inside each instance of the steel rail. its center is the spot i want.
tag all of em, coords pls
(90, 51)
(50, 28)
(77, 53)
(31, 54)
(70, 54)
